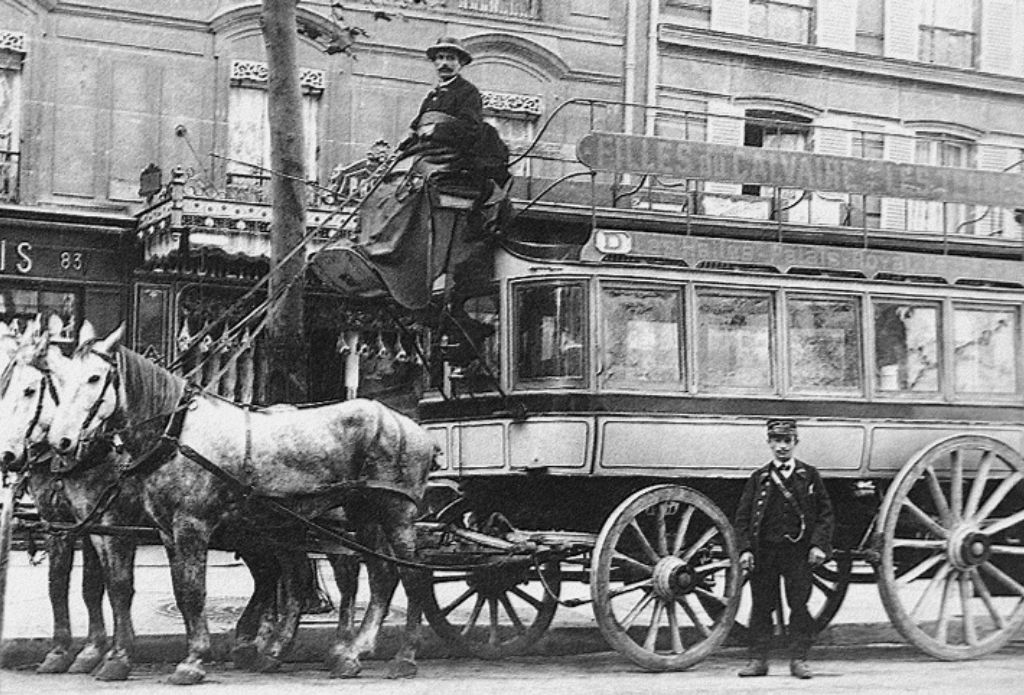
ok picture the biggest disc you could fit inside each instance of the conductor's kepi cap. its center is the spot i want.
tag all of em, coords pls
(781, 427)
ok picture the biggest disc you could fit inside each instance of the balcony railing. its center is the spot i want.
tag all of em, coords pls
(522, 9)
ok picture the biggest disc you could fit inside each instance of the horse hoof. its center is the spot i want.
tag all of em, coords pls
(402, 668)
(244, 656)
(267, 664)
(344, 668)
(56, 662)
(114, 670)
(87, 660)
(187, 674)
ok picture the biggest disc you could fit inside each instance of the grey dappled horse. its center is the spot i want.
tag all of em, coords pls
(32, 382)
(357, 455)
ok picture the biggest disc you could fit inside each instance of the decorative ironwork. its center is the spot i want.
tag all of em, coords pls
(522, 9)
(12, 41)
(529, 105)
(254, 71)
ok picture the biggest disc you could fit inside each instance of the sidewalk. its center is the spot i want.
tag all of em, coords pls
(161, 632)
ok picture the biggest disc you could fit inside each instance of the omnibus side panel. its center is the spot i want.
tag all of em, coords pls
(551, 444)
(637, 446)
(554, 444)
(893, 445)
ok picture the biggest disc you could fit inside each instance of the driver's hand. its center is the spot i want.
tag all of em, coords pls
(816, 557)
(747, 561)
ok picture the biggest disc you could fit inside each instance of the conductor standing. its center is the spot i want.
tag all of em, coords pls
(784, 527)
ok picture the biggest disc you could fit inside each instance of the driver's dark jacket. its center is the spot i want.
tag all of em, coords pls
(460, 99)
(809, 490)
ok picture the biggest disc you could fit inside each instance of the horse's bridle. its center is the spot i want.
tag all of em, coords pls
(112, 380)
(46, 387)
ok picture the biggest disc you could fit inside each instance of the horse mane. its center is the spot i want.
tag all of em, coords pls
(150, 389)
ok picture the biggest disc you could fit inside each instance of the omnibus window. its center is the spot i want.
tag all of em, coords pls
(640, 338)
(906, 347)
(824, 343)
(734, 340)
(986, 349)
(550, 333)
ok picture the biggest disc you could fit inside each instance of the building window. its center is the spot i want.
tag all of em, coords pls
(866, 210)
(906, 346)
(870, 26)
(641, 343)
(824, 344)
(944, 150)
(550, 336)
(691, 13)
(949, 33)
(782, 20)
(12, 53)
(515, 118)
(985, 352)
(248, 168)
(776, 131)
(734, 337)
(59, 308)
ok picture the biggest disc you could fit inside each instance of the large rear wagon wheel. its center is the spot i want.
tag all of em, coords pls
(665, 578)
(496, 611)
(952, 527)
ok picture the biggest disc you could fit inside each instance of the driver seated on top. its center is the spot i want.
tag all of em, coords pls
(449, 128)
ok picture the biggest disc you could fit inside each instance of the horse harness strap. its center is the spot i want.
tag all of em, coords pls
(167, 445)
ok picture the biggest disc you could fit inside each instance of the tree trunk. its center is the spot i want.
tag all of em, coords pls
(286, 335)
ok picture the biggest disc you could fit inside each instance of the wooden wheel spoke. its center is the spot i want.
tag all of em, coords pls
(684, 526)
(684, 602)
(651, 640)
(627, 588)
(645, 544)
(970, 631)
(533, 601)
(451, 578)
(942, 627)
(1007, 549)
(1002, 577)
(632, 562)
(938, 578)
(823, 586)
(673, 625)
(637, 609)
(457, 602)
(978, 486)
(920, 568)
(986, 598)
(956, 485)
(938, 496)
(494, 636)
(701, 542)
(713, 566)
(924, 544)
(998, 495)
(927, 521)
(712, 604)
(662, 532)
(473, 616)
(1004, 523)
(511, 612)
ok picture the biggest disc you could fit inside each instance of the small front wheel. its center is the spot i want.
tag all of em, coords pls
(665, 578)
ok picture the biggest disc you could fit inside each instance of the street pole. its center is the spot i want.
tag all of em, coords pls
(285, 335)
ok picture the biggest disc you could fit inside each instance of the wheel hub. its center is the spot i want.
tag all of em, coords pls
(672, 577)
(969, 548)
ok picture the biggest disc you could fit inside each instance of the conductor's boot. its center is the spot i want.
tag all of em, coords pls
(799, 669)
(754, 668)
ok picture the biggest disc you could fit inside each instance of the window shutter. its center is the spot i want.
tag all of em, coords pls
(996, 158)
(832, 136)
(725, 127)
(998, 22)
(902, 28)
(836, 24)
(899, 147)
(730, 15)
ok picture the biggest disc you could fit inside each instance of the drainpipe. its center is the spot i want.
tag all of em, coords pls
(653, 64)
(630, 69)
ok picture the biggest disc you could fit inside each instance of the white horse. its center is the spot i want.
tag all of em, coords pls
(358, 455)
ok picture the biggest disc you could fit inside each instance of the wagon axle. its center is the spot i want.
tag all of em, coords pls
(969, 548)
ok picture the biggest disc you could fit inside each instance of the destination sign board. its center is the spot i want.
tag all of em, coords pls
(869, 262)
(641, 154)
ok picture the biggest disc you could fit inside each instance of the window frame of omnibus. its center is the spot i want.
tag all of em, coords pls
(938, 330)
(770, 296)
(579, 380)
(957, 305)
(643, 346)
(12, 310)
(854, 364)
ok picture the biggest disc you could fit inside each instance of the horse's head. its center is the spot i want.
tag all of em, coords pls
(28, 396)
(91, 395)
